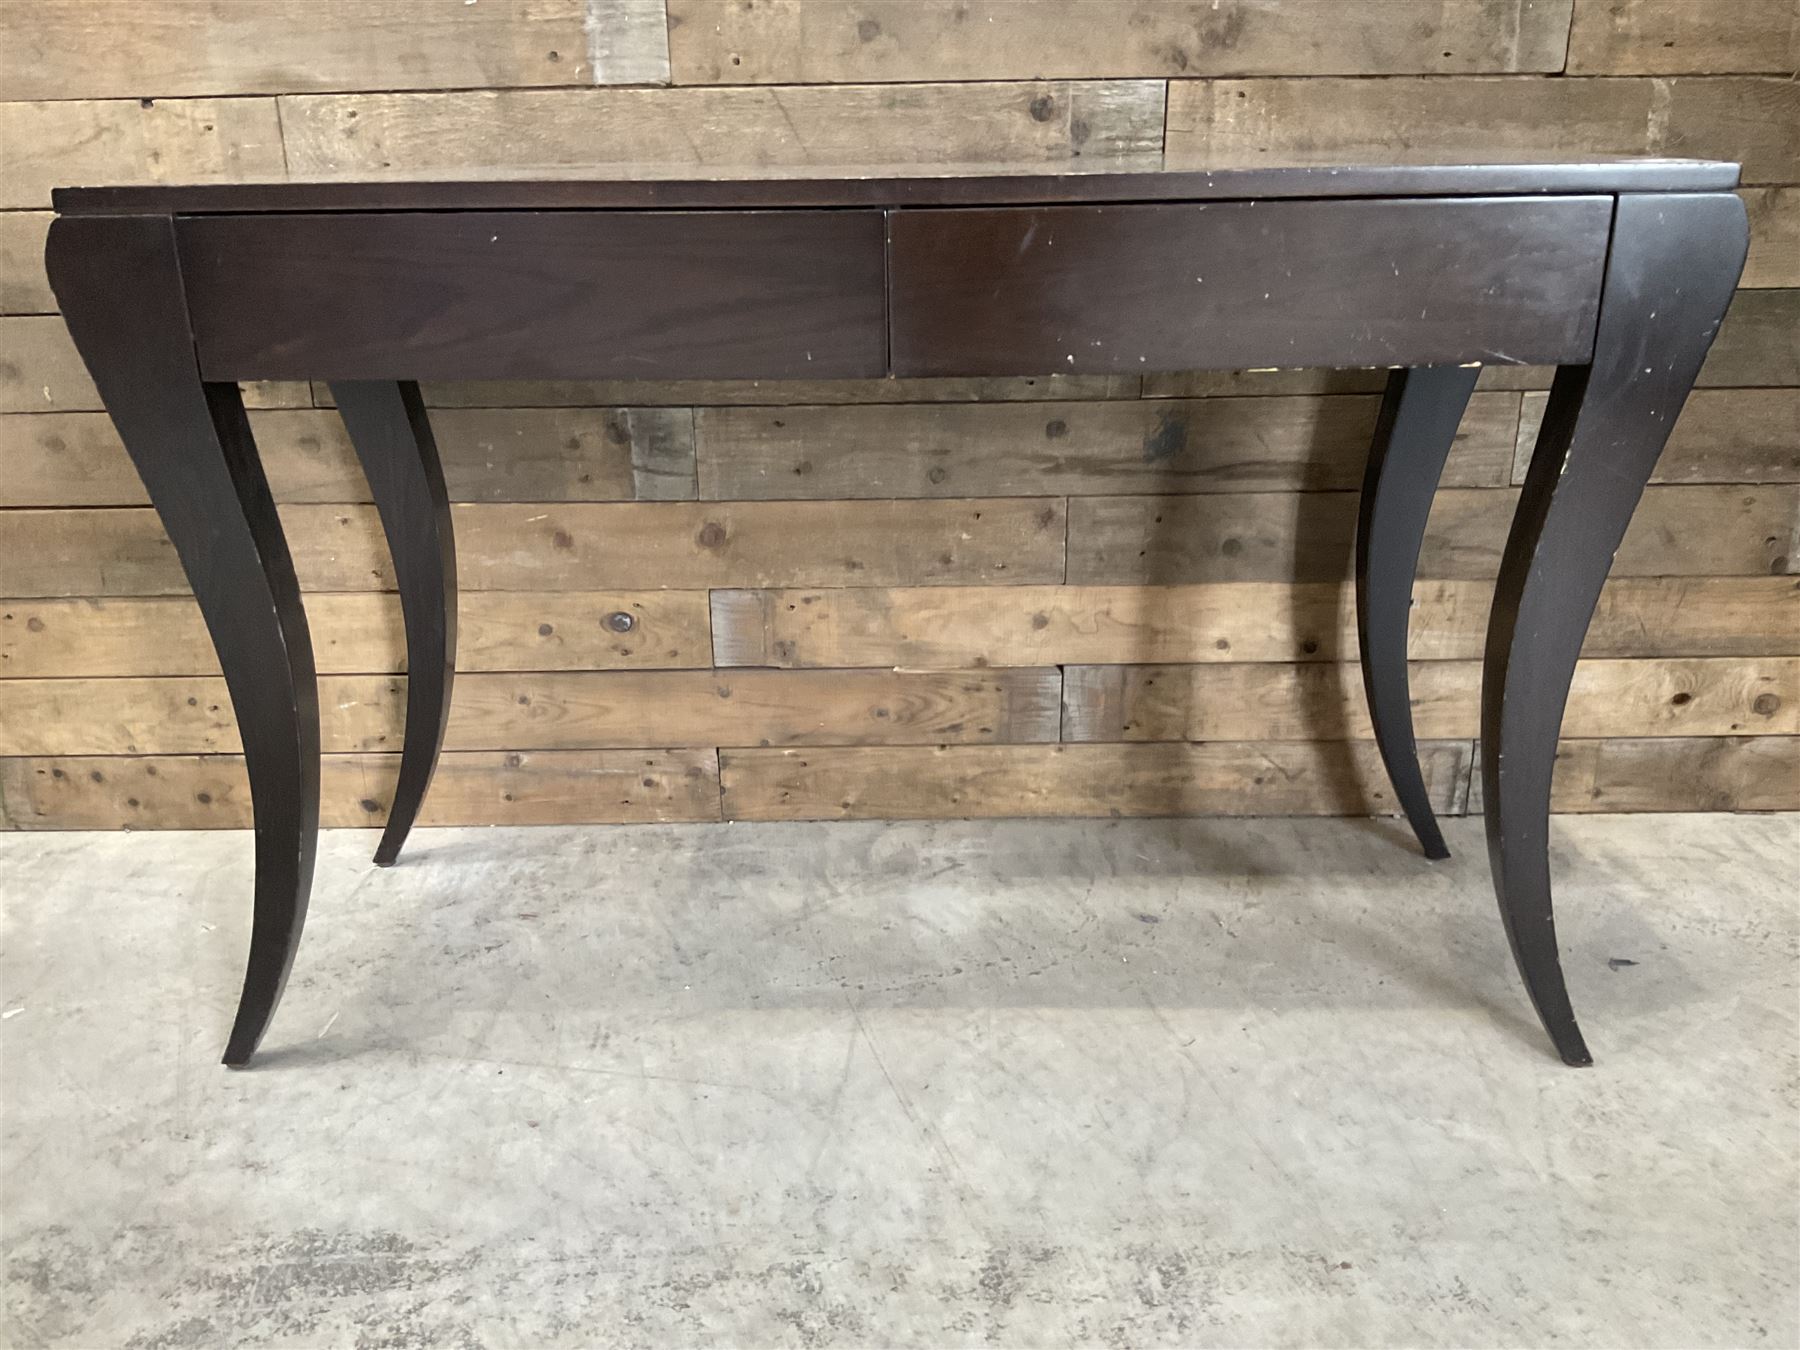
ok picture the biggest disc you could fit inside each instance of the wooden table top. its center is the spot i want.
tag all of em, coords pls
(640, 187)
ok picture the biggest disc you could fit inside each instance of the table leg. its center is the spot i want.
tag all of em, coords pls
(1674, 263)
(118, 282)
(392, 435)
(1418, 421)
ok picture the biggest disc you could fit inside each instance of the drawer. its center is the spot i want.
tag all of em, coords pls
(537, 295)
(1189, 286)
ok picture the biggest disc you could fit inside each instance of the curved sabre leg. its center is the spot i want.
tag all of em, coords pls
(1669, 277)
(1419, 416)
(117, 281)
(392, 435)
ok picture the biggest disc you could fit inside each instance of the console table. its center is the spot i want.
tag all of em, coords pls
(1616, 273)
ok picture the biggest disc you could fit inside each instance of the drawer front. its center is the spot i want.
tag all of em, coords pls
(537, 295)
(1189, 286)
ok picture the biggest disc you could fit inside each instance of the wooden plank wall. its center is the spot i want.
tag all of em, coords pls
(940, 597)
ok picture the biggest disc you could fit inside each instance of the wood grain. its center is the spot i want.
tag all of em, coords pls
(973, 450)
(45, 145)
(1231, 123)
(204, 792)
(960, 627)
(1759, 342)
(1682, 37)
(40, 370)
(555, 546)
(1722, 436)
(499, 454)
(1678, 531)
(847, 41)
(92, 49)
(1040, 122)
(1731, 773)
(361, 633)
(1685, 773)
(24, 289)
(577, 710)
(1221, 778)
(1774, 236)
(1324, 701)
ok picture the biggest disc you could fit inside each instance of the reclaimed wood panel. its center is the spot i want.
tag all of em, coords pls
(497, 454)
(575, 710)
(1774, 236)
(361, 633)
(1759, 342)
(960, 627)
(494, 787)
(1731, 773)
(1678, 531)
(996, 450)
(24, 287)
(1041, 122)
(849, 41)
(40, 370)
(1324, 701)
(133, 140)
(1722, 436)
(557, 546)
(1684, 37)
(849, 596)
(1680, 773)
(1239, 123)
(94, 49)
(1163, 779)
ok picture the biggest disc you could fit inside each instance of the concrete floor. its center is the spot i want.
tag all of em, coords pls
(1128, 1083)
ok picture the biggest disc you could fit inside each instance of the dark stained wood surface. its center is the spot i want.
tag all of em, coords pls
(476, 295)
(1184, 286)
(616, 187)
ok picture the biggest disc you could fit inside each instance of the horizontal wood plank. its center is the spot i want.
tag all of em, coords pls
(24, 286)
(200, 792)
(1722, 436)
(1235, 123)
(1759, 342)
(1678, 531)
(581, 710)
(1324, 702)
(1774, 236)
(133, 140)
(960, 627)
(498, 454)
(1730, 773)
(40, 370)
(1221, 778)
(1698, 773)
(551, 546)
(978, 450)
(63, 49)
(1039, 122)
(361, 633)
(845, 41)
(1684, 37)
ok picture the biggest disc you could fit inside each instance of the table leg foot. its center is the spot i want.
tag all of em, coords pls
(392, 435)
(1669, 277)
(1419, 416)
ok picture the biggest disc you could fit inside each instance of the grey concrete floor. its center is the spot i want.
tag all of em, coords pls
(1127, 1083)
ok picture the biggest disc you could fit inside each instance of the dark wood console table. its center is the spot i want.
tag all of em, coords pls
(1616, 273)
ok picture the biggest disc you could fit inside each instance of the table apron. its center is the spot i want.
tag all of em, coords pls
(826, 294)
